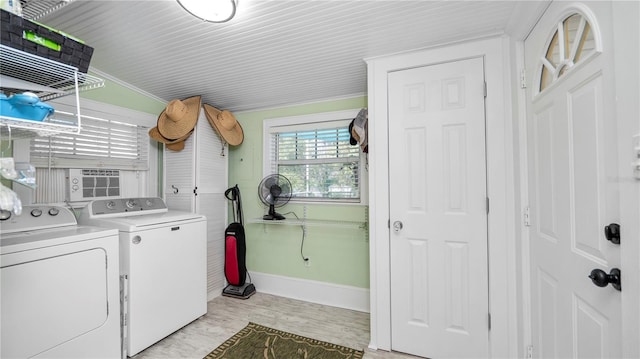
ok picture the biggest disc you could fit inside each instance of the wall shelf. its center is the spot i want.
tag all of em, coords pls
(48, 79)
(15, 128)
(311, 222)
(305, 222)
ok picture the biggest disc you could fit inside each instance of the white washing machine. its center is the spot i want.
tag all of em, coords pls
(163, 265)
(60, 292)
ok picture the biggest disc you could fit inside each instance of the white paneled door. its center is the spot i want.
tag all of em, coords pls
(438, 205)
(573, 190)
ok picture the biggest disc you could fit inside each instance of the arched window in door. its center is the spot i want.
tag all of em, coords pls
(575, 39)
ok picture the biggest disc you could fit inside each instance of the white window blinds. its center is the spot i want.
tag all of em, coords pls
(100, 143)
(318, 160)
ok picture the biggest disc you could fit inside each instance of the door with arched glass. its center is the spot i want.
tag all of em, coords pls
(572, 156)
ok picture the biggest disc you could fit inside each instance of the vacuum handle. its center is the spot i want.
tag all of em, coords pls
(233, 195)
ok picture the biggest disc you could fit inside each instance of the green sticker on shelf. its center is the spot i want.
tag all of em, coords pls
(31, 36)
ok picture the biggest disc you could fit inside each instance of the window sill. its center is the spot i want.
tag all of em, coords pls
(312, 222)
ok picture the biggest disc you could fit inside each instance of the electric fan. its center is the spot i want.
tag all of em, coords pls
(274, 191)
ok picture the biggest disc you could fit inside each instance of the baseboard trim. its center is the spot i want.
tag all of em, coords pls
(335, 295)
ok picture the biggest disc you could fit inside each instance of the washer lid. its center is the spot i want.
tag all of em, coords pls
(140, 222)
(28, 240)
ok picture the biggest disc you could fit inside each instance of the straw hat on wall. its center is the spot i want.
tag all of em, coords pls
(179, 117)
(225, 124)
(176, 122)
(174, 145)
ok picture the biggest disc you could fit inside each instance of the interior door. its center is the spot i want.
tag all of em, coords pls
(438, 205)
(573, 191)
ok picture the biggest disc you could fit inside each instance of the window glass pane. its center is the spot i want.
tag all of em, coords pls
(586, 45)
(571, 43)
(328, 180)
(318, 144)
(320, 163)
(553, 52)
(546, 78)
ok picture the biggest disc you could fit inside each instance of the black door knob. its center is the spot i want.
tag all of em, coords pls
(612, 232)
(602, 279)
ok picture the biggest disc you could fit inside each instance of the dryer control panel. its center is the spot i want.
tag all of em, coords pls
(36, 217)
(119, 207)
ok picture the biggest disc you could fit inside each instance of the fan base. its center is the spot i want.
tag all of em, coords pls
(271, 217)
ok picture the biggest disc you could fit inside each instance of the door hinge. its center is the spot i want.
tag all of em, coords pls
(195, 191)
(485, 89)
(389, 223)
(527, 217)
(530, 352)
(487, 205)
(489, 320)
(523, 78)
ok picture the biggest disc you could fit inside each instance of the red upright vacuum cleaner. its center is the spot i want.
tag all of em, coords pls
(235, 249)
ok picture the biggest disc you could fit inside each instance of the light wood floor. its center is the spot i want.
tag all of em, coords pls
(226, 316)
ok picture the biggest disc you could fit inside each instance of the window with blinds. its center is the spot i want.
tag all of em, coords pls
(100, 143)
(318, 160)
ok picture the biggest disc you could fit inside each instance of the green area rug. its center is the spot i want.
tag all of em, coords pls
(256, 341)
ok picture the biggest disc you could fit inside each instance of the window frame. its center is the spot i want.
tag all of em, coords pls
(343, 117)
(567, 65)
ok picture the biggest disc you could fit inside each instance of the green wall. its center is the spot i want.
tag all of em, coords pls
(118, 95)
(338, 254)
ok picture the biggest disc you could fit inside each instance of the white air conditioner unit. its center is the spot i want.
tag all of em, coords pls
(89, 184)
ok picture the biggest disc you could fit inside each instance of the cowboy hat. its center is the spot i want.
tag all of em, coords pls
(225, 124)
(353, 139)
(178, 146)
(175, 145)
(361, 127)
(179, 117)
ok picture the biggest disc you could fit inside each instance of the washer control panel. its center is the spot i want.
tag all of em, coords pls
(119, 207)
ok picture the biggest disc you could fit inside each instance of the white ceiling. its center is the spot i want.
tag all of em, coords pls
(273, 52)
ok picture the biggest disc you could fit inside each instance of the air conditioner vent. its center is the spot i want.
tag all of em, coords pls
(89, 184)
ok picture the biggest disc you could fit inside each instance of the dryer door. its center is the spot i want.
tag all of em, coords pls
(50, 297)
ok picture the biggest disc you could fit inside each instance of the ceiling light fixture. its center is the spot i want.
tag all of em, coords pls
(210, 10)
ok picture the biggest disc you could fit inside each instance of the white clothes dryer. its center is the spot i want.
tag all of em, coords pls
(163, 265)
(60, 295)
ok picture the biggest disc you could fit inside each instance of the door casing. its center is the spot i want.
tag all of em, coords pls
(503, 279)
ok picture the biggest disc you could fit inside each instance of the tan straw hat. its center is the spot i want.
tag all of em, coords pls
(179, 117)
(179, 146)
(225, 123)
(175, 145)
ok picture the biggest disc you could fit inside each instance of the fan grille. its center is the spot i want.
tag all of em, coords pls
(275, 190)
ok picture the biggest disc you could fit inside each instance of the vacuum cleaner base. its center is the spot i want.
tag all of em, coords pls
(243, 292)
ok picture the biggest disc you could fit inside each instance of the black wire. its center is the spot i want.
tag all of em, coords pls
(303, 237)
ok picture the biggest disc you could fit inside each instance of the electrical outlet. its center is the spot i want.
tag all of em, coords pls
(307, 262)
